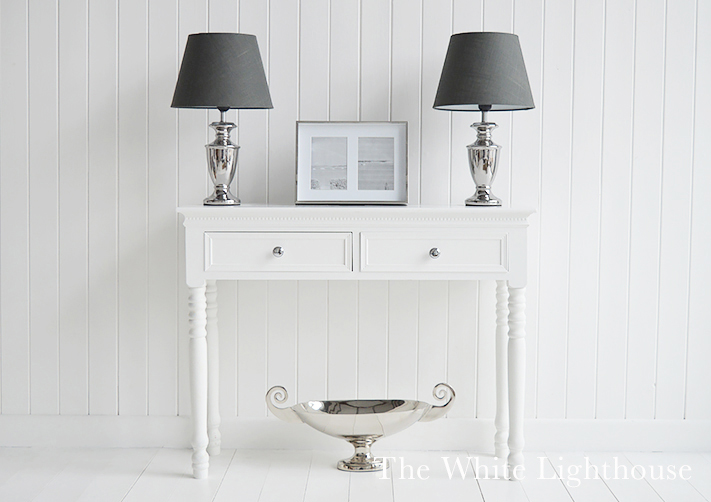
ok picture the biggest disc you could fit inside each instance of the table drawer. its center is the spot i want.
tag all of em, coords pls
(434, 251)
(259, 252)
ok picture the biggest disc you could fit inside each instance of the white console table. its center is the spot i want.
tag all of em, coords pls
(355, 243)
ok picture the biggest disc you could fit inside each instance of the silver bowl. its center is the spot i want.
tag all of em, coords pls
(361, 421)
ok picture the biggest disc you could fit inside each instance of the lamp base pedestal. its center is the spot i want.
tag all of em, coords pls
(483, 197)
(221, 197)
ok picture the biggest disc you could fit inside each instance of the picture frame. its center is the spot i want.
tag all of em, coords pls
(351, 162)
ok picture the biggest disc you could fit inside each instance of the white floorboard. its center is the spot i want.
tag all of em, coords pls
(672, 488)
(287, 476)
(492, 480)
(169, 477)
(96, 474)
(142, 475)
(245, 477)
(700, 471)
(541, 481)
(621, 482)
(588, 490)
(29, 481)
(437, 480)
(119, 474)
(326, 483)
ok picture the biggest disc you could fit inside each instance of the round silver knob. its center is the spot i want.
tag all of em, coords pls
(278, 251)
(434, 253)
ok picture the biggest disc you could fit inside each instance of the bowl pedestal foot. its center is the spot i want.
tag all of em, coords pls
(362, 460)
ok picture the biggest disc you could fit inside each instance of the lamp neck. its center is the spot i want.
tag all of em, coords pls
(483, 131)
(222, 132)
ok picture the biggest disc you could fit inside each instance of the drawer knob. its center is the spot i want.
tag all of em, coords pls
(434, 253)
(278, 251)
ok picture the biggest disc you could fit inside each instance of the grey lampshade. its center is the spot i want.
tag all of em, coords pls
(484, 68)
(221, 70)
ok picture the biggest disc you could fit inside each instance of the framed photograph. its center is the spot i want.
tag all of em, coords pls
(351, 163)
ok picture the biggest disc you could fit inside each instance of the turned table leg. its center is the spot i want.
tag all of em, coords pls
(501, 449)
(517, 377)
(213, 371)
(197, 317)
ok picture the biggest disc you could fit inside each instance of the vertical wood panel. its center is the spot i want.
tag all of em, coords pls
(163, 245)
(44, 180)
(466, 16)
(586, 158)
(375, 54)
(313, 61)
(14, 212)
(342, 339)
(676, 209)
(281, 337)
(406, 84)
(227, 302)
(645, 210)
(554, 208)
(615, 209)
(284, 86)
(344, 64)
(432, 339)
(223, 16)
(73, 216)
(193, 130)
(312, 340)
(526, 173)
(462, 346)
(435, 154)
(252, 350)
(253, 132)
(403, 305)
(132, 207)
(103, 209)
(372, 339)
(698, 392)
(486, 351)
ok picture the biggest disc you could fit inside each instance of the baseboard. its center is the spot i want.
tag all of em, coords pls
(445, 434)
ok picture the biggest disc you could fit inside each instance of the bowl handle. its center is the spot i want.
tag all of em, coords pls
(441, 392)
(279, 395)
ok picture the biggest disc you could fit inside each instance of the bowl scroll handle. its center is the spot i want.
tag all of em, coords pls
(278, 394)
(441, 392)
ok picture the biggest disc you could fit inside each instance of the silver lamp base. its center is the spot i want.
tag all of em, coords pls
(483, 197)
(221, 197)
(222, 164)
(483, 161)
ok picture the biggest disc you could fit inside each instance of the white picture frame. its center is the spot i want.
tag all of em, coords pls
(351, 162)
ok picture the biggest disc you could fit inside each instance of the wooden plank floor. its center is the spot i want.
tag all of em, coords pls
(138, 475)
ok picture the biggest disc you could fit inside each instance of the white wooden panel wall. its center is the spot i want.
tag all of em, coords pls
(614, 159)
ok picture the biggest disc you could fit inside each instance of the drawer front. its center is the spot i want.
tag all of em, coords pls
(259, 252)
(434, 251)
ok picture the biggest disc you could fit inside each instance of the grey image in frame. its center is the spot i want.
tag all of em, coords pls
(377, 176)
(376, 163)
(329, 163)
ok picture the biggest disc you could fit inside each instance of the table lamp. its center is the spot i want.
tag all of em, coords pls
(484, 72)
(223, 71)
